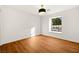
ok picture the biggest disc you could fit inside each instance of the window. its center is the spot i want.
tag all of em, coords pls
(55, 24)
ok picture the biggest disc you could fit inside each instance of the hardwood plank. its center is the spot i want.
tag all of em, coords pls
(0, 49)
(41, 44)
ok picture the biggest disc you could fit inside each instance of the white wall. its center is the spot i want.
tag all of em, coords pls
(1, 22)
(0, 28)
(18, 24)
(70, 22)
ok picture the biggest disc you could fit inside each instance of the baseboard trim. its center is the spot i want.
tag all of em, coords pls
(19, 39)
(60, 38)
(40, 35)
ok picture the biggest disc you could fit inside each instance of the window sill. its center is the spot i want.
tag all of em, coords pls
(55, 32)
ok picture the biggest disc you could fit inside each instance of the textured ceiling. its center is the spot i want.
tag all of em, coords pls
(50, 8)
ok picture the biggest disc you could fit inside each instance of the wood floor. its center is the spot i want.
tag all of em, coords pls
(41, 44)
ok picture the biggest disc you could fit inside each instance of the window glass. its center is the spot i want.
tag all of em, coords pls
(55, 24)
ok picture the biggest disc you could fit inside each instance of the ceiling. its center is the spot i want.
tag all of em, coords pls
(50, 8)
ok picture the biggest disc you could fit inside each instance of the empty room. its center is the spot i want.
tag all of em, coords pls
(39, 28)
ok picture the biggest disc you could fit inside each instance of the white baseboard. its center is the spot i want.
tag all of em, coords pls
(68, 39)
(17, 39)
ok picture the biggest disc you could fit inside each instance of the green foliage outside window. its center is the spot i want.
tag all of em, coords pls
(56, 21)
